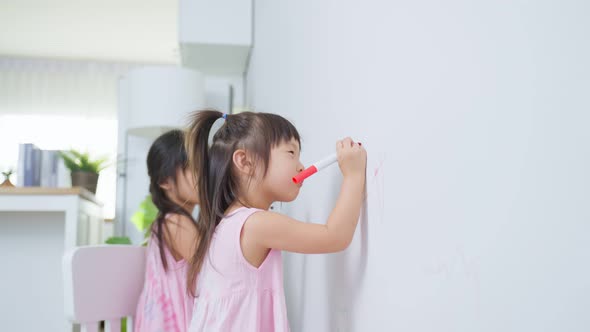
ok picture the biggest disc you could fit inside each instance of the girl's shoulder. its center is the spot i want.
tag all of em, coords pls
(178, 220)
(181, 235)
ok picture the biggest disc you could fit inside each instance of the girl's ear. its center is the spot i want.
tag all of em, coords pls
(242, 162)
(166, 184)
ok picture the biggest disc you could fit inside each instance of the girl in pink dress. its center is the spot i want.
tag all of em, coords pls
(165, 303)
(237, 265)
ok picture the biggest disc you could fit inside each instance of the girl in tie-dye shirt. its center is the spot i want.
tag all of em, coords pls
(165, 303)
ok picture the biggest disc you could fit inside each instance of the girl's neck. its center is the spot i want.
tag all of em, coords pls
(250, 202)
(251, 195)
(189, 207)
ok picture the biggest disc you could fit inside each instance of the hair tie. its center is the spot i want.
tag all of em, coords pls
(224, 116)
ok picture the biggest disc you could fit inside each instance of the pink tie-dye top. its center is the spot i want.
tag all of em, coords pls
(164, 304)
(233, 295)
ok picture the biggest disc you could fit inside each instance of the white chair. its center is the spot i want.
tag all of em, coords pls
(103, 283)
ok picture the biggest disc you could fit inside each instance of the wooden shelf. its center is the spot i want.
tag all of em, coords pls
(79, 191)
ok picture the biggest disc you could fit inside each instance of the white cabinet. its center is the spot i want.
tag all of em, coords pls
(36, 226)
(215, 35)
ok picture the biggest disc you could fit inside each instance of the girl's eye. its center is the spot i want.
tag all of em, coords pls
(292, 152)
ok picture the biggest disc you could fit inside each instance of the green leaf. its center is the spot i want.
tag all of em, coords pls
(78, 161)
(69, 161)
(118, 240)
(8, 173)
(145, 215)
(76, 154)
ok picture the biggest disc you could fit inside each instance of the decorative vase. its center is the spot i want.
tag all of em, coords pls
(87, 180)
(6, 184)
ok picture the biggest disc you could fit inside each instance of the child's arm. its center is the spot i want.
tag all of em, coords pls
(266, 229)
(183, 236)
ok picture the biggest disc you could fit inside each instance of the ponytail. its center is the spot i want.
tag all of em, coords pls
(197, 148)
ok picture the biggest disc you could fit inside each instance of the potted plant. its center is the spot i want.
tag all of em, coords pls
(7, 182)
(83, 169)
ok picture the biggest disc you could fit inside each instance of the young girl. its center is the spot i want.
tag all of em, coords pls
(237, 264)
(165, 303)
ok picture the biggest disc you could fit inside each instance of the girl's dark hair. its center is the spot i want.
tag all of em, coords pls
(256, 133)
(166, 155)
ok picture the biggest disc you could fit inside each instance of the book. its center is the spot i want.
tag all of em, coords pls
(28, 167)
(63, 177)
(36, 167)
(49, 164)
(20, 167)
(43, 168)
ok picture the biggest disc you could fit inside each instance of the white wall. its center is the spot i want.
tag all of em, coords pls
(217, 91)
(475, 116)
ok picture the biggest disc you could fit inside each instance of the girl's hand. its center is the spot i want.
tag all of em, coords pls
(352, 158)
(264, 229)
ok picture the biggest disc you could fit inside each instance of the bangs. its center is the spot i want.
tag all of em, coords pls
(277, 130)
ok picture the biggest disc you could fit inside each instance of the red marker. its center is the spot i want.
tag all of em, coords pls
(315, 168)
(311, 170)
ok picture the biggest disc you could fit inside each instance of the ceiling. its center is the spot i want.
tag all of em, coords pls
(138, 31)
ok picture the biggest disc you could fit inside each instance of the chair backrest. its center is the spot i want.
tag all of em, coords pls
(103, 283)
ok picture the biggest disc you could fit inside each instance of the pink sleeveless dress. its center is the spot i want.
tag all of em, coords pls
(233, 295)
(164, 304)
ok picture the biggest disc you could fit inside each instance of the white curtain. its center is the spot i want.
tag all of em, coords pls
(58, 104)
(53, 87)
